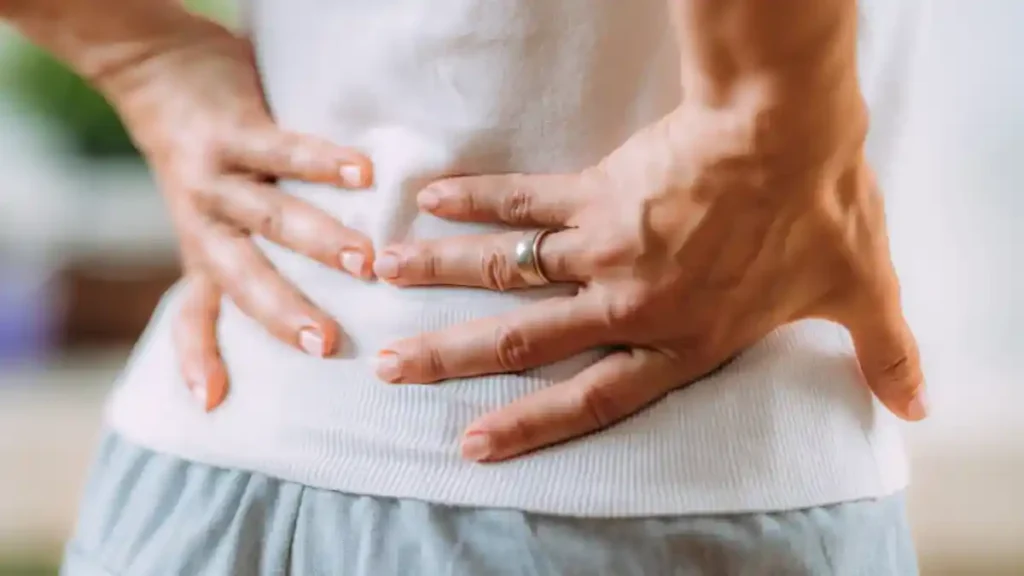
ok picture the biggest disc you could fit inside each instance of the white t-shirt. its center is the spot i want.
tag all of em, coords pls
(489, 86)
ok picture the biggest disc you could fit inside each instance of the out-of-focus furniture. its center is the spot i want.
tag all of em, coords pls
(109, 303)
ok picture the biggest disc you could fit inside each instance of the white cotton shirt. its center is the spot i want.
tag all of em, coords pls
(474, 86)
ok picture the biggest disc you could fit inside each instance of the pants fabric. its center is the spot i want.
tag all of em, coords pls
(145, 513)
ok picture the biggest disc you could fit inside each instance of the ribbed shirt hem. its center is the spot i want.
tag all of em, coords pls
(787, 425)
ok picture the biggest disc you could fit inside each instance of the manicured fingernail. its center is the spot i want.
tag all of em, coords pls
(477, 446)
(312, 342)
(198, 390)
(352, 175)
(918, 407)
(208, 387)
(197, 383)
(428, 199)
(386, 266)
(387, 367)
(216, 390)
(353, 262)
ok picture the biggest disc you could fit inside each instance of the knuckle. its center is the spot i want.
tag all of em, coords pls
(429, 263)
(203, 198)
(269, 221)
(428, 360)
(515, 208)
(464, 201)
(495, 271)
(558, 265)
(414, 263)
(434, 364)
(625, 308)
(521, 434)
(512, 350)
(217, 149)
(596, 406)
(612, 253)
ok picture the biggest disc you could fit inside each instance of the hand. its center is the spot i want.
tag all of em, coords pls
(688, 248)
(195, 107)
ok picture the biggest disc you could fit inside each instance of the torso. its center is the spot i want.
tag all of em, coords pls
(468, 86)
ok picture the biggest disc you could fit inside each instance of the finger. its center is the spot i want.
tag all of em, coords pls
(614, 388)
(269, 150)
(483, 261)
(259, 291)
(284, 219)
(889, 359)
(195, 340)
(548, 201)
(532, 336)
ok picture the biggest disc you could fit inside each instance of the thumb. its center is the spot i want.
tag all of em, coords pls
(889, 359)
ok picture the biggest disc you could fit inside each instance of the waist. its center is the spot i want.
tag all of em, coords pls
(787, 425)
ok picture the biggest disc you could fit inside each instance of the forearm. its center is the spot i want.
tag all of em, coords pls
(100, 38)
(784, 71)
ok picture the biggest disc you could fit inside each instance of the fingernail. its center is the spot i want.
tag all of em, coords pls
(918, 407)
(386, 266)
(477, 446)
(198, 390)
(207, 386)
(353, 262)
(216, 390)
(197, 384)
(387, 367)
(352, 175)
(428, 199)
(312, 342)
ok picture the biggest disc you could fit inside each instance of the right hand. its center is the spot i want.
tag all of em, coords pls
(195, 108)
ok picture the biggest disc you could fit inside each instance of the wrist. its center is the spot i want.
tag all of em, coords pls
(101, 39)
(767, 147)
(777, 78)
(776, 124)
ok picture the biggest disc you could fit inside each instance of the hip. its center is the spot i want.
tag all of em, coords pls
(786, 425)
(149, 513)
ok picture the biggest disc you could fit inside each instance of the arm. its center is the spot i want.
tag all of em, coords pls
(99, 38)
(784, 47)
(779, 76)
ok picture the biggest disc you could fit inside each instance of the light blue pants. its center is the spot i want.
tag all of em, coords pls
(146, 514)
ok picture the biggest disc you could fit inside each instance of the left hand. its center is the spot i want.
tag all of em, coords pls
(688, 250)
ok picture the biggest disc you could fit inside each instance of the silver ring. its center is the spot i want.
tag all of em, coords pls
(528, 258)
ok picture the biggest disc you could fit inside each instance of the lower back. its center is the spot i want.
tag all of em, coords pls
(468, 86)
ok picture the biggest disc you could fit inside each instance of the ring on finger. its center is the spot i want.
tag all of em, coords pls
(527, 256)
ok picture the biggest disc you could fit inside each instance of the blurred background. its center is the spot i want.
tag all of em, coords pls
(86, 250)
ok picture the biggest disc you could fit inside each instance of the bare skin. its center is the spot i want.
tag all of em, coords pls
(748, 207)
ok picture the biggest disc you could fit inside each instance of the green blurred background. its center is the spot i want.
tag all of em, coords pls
(36, 84)
(41, 85)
